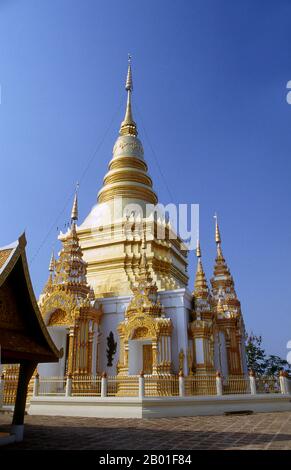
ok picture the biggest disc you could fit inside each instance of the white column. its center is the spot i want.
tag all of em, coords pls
(283, 382)
(181, 385)
(69, 385)
(104, 385)
(219, 390)
(252, 383)
(141, 386)
(36, 386)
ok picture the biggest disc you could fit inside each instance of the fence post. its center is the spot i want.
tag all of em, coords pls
(103, 385)
(1, 390)
(36, 386)
(69, 385)
(283, 382)
(141, 385)
(252, 378)
(181, 384)
(219, 390)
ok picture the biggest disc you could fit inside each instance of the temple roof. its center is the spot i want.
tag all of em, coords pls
(23, 334)
(5, 254)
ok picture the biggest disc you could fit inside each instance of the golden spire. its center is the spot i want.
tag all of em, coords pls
(200, 285)
(217, 232)
(218, 237)
(222, 281)
(74, 213)
(52, 263)
(128, 126)
(198, 250)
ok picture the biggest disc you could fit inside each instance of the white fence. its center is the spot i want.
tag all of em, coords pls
(146, 386)
(153, 386)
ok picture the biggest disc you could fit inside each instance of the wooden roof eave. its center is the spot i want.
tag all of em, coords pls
(19, 251)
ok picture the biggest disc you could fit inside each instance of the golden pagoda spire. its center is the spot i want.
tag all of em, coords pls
(200, 285)
(222, 282)
(74, 213)
(218, 238)
(217, 231)
(198, 250)
(220, 261)
(128, 126)
(52, 263)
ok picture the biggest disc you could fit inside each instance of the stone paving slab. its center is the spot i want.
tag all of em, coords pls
(258, 431)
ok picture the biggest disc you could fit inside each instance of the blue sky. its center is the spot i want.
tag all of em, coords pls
(209, 99)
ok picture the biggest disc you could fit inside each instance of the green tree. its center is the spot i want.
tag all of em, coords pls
(274, 364)
(256, 356)
(259, 362)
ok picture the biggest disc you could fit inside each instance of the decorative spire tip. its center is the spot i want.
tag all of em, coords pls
(128, 126)
(198, 249)
(217, 232)
(74, 213)
(52, 263)
(128, 83)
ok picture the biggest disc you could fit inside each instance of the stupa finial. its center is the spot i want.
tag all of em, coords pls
(217, 232)
(128, 126)
(198, 249)
(74, 213)
(52, 263)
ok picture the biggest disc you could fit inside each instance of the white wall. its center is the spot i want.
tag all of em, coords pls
(224, 365)
(177, 305)
(55, 369)
(113, 313)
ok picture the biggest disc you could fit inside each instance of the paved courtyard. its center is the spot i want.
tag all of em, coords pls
(256, 431)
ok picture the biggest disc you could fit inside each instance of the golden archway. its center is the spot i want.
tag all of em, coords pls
(145, 327)
(59, 300)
